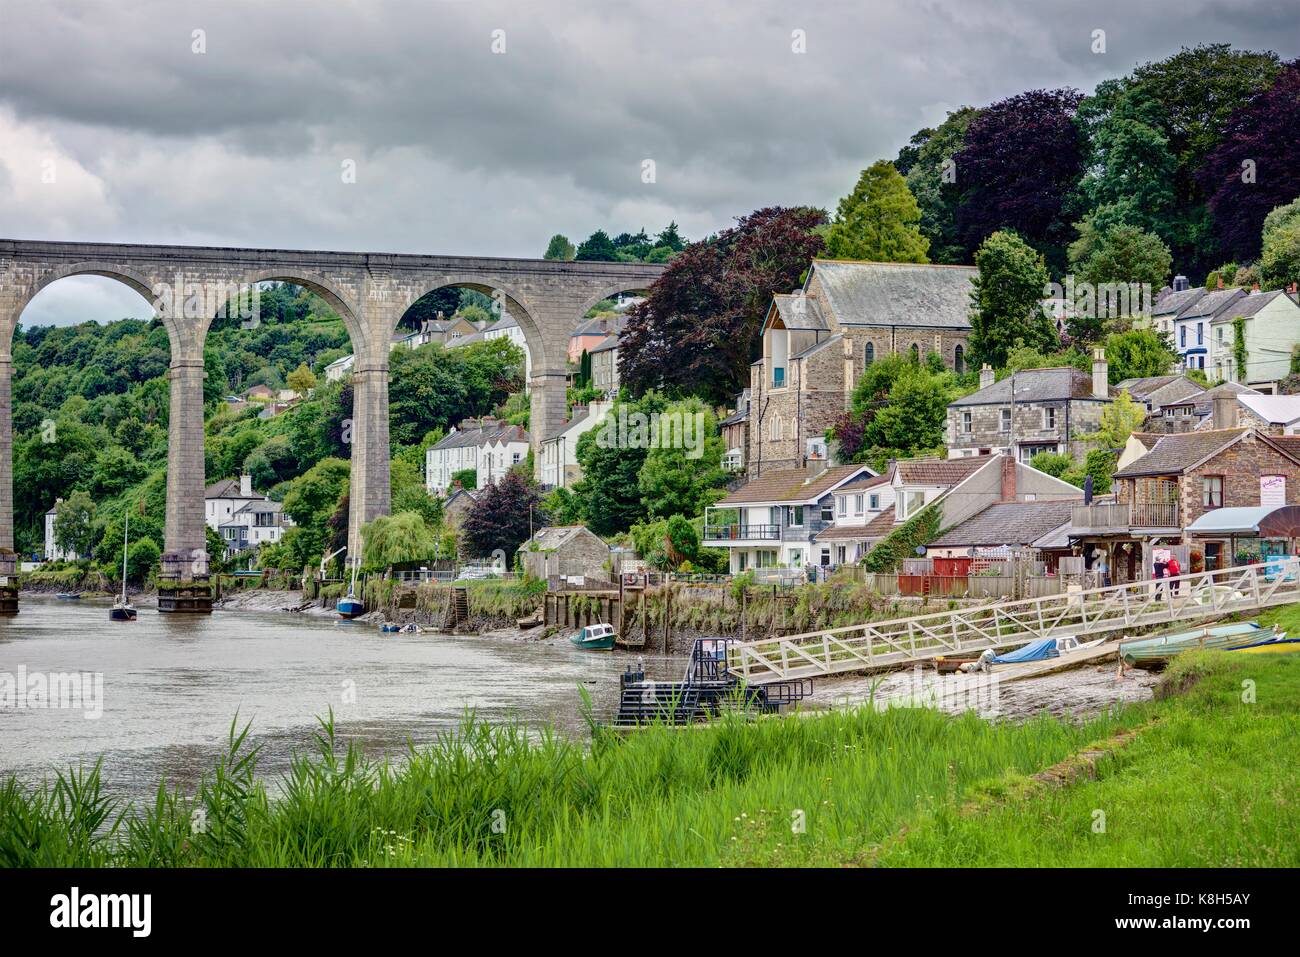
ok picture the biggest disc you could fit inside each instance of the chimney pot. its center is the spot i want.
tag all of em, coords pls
(1220, 286)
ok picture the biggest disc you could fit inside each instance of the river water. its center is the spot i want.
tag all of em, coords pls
(173, 683)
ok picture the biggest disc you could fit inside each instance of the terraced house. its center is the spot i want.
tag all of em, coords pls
(491, 447)
(818, 340)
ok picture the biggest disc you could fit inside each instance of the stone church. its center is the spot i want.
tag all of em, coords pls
(818, 340)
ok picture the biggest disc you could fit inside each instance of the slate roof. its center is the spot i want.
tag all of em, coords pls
(555, 537)
(941, 472)
(470, 339)
(479, 432)
(789, 485)
(1281, 409)
(897, 294)
(1210, 304)
(1172, 303)
(1248, 306)
(506, 321)
(609, 342)
(1161, 390)
(1290, 444)
(1008, 523)
(1176, 453)
(228, 488)
(792, 317)
(1205, 401)
(1034, 385)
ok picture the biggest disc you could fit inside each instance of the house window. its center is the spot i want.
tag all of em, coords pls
(1182, 337)
(796, 516)
(828, 513)
(874, 503)
(857, 505)
(840, 554)
(1212, 491)
(959, 360)
(1005, 423)
(967, 420)
(869, 354)
(843, 502)
(1049, 417)
(916, 354)
(1200, 333)
(1219, 335)
(911, 502)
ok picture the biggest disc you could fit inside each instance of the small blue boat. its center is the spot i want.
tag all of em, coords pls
(67, 596)
(350, 606)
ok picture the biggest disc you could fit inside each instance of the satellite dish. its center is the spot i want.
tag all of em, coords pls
(920, 549)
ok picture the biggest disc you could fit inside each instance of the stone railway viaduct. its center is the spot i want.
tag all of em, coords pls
(370, 291)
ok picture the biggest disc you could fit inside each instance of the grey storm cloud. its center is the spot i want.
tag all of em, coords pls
(459, 149)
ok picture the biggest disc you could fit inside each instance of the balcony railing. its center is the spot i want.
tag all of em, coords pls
(734, 533)
(1154, 515)
(1113, 516)
(1100, 517)
(778, 378)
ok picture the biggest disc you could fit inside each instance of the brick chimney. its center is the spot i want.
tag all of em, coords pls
(1254, 287)
(1225, 412)
(1100, 374)
(1220, 286)
(1008, 478)
(987, 376)
(1181, 283)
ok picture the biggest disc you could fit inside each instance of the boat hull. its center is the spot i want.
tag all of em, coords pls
(121, 614)
(594, 644)
(349, 607)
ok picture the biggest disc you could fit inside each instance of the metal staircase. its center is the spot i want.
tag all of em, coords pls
(1084, 614)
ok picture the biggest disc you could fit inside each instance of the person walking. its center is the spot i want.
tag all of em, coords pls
(1173, 570)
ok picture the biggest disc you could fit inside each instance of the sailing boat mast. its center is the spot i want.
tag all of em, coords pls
(126, 529)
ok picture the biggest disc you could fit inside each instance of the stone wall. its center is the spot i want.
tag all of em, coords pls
(1028, 419)
(1240, 468)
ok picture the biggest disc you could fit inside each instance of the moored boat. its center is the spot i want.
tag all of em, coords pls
(67, 596)
(595, 637)
(122, 609)
(1154, 653)
(350, 606)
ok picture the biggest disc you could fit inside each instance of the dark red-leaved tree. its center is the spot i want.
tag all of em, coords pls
(1256, 165)
(499, 517)
(1020, 158)
(697, 331)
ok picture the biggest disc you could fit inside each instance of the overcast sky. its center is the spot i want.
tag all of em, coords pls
(462, 150)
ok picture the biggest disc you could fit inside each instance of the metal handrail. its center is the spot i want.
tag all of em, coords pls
(1092, 612)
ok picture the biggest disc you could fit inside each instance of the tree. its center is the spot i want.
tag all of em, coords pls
(74, 525)
(1120, 419)
(927, 164)
(1138, 353)
(1020, 157)
(311, 498)
(1132, 169)
(559, 248)
(1256, 167)
(1279, 259)
(597, 247)
(670, 238)
(676, 480)
(1121, 254)
(302, 380)
(898, 410)
(1006, 299)
(610, 489)
(501, 517)
(142, 558)
(698, 329)
(393, 539)
(878, 220)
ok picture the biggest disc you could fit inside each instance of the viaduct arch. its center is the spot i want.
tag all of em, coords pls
(370, 291)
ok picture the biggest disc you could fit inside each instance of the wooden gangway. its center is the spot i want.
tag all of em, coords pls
(1083, 614)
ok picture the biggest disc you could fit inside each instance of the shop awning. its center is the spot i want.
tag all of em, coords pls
(1265, 521)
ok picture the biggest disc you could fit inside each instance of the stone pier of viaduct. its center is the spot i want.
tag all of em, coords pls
(370, 291)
